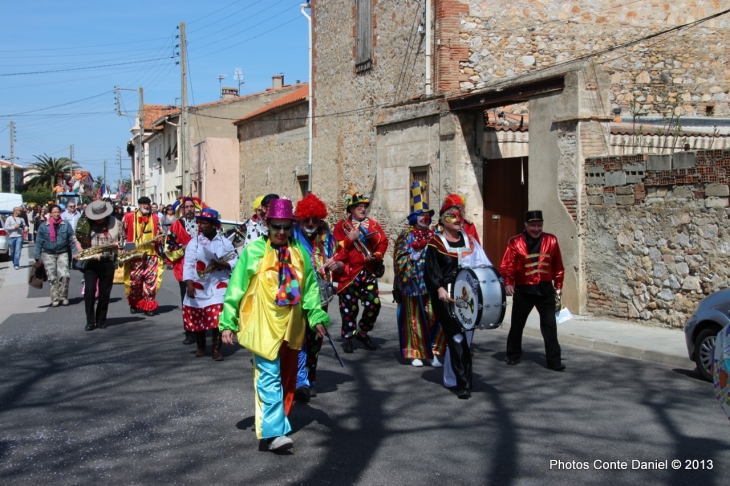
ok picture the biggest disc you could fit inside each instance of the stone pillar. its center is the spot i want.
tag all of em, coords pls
(565, 127)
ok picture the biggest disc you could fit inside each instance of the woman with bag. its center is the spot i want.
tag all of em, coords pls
(55, 244)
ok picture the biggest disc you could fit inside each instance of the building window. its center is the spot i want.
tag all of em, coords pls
(303, 184)
(419, 174)
(364, 25)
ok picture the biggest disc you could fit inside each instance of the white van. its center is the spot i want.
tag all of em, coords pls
(8, 201)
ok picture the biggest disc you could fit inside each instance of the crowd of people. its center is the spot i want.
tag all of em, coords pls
(271, 281)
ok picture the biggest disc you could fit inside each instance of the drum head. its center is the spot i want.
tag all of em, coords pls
(468, 294)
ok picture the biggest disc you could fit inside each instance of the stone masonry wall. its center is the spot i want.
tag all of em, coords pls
(681, 73)
(347, 104)
(656, 234)
(273, 151)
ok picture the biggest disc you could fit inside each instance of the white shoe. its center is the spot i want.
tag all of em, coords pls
(435, 362)
(417, 362)
(281, 443)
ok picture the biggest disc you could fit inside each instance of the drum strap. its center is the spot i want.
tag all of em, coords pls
(459, 250)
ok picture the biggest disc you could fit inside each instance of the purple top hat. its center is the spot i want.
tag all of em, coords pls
(281, 209)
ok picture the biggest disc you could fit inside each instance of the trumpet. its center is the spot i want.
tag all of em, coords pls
(138, 252)
(359, 245)
(210, 267)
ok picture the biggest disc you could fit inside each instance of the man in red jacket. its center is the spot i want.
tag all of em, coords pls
(361, 244)
(533, 273)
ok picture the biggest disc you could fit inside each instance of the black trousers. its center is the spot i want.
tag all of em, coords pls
(522, 305)
(183, 291)
(458, 344)
(101, 271)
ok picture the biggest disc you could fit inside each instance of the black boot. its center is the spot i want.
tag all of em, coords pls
(189, 337)
(200, 340)
(217, 342)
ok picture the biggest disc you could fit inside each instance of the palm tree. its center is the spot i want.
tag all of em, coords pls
(97, 184)
(47, 170)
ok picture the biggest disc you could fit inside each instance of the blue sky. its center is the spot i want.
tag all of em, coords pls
(76, 51)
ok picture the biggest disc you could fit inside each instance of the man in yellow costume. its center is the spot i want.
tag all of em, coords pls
(272, 295)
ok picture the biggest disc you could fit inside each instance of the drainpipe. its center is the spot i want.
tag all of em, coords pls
(309, 113)
(428, 47)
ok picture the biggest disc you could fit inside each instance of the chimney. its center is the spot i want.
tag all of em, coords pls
(277, 81)
(228, 93)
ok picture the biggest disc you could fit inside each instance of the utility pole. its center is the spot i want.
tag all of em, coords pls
(184, 155)
(12, 157)
(141, 144)
(104, 183)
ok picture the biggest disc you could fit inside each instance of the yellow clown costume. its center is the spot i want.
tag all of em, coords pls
(274, 333)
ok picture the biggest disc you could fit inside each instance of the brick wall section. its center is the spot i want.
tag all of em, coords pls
(449, 50)
(681, 73)
(656, 234)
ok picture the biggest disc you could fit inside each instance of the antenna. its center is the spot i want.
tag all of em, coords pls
(238, 75)
(220, 83)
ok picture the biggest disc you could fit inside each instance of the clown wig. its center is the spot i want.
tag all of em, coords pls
(177, 206)
(310, 207)
(451, 201)
(257, 203)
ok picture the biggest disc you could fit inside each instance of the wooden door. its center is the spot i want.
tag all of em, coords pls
(505, 203)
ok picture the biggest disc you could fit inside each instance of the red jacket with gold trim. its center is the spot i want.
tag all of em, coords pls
(377, 244)
(518, 268)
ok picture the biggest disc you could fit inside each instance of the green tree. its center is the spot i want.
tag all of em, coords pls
(47, 170)
(97, 184)
(39, 195)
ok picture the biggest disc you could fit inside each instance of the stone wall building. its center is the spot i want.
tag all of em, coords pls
(274, 150)
(389, 110)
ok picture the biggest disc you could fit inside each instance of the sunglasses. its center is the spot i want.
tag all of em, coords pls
(310, 220)
(281, 227)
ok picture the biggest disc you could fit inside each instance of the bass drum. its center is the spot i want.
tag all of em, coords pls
(479, 298)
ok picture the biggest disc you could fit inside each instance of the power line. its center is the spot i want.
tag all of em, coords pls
(62, 104)
(83, 68)
(250, 38)
(82, 47)
(244, 30)
(240, 22)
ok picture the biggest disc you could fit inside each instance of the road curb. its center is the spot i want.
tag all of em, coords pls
(612, 348)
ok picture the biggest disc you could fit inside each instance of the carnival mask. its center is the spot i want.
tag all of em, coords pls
(453, 218)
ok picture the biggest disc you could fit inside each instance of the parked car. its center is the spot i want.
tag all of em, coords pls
(702, 328)
(4, 243)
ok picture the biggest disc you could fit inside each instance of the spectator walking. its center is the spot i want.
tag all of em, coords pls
(15, 225)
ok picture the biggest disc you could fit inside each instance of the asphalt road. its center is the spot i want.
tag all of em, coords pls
(132, 405)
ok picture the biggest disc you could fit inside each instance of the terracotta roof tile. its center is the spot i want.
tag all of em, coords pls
(288, 99)
(152, 113)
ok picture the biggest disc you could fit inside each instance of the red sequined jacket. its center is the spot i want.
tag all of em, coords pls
(377, 244)
(518, 268)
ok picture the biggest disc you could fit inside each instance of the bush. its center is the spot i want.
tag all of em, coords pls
(38, 195)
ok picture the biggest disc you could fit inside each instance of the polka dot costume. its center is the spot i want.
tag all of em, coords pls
(201, 319)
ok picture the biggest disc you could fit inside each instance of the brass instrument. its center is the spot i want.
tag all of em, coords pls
(209, 268)
(139, 252)
(359, 246)
(93, 252)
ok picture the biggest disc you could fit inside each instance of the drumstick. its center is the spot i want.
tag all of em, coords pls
(458, 302)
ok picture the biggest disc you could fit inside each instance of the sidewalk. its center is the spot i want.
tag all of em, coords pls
(14, 287)
(623, 338)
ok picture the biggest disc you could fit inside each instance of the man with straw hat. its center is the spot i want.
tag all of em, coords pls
(96, 229)
(272, 295)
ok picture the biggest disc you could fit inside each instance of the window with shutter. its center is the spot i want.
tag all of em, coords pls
(364, 59)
